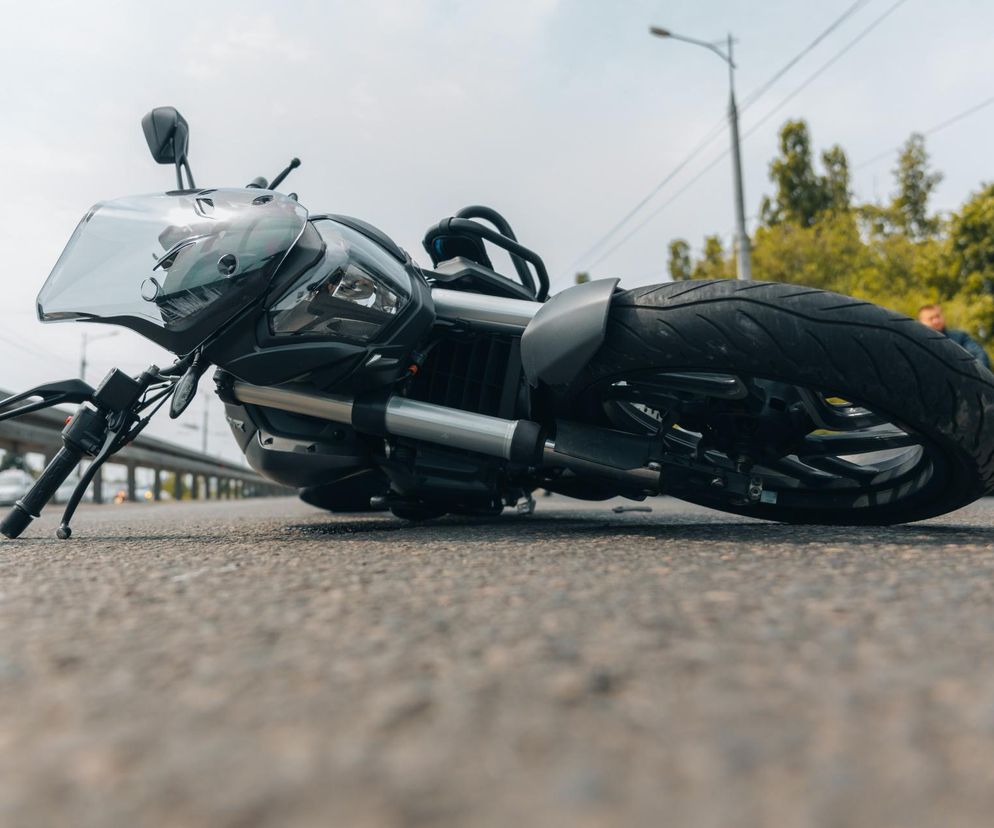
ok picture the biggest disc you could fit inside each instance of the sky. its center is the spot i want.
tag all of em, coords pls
(561, 114)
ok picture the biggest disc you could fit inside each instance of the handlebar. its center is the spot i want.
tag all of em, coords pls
(83, 435)
(29, 507)
(108, 419)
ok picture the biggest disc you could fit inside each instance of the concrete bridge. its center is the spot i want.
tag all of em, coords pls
(194, 474)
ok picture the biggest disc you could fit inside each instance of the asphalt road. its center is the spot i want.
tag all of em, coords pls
(263, 663)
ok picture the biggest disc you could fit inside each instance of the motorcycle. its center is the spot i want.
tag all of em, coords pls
(365, 381)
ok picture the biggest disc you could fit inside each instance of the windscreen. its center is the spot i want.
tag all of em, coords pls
(172, 266)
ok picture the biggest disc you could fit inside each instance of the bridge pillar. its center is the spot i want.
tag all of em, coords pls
(177, 485)
(132, 483)
(156, 485)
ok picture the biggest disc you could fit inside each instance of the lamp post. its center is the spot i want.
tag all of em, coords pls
(203, 429)
(82, 352)
(744, 266)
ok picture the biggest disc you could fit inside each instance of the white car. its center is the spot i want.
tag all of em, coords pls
(14, 484)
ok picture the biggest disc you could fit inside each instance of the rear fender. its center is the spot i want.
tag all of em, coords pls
(566, 332)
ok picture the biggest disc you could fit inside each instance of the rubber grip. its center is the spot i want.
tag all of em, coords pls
(29, 507)
(16, 521)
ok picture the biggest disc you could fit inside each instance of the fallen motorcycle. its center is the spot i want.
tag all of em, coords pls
(365, 381)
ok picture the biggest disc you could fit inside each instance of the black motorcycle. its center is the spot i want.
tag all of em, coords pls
(365, 381)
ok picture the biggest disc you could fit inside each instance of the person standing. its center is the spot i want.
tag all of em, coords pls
(931, 316)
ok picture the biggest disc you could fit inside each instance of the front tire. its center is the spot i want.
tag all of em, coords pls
(901, 371)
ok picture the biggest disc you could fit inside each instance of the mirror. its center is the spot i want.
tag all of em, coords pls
(167, 134)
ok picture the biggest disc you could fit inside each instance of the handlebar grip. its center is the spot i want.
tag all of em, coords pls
(29, 507)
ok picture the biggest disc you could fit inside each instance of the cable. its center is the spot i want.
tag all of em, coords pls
(810, 79)
(818, 72)
(753, 97)
(34, 350)
(937, 128)
(704, 143)
(659, 209)
(719, 128)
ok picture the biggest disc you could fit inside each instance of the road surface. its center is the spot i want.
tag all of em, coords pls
(262, 663)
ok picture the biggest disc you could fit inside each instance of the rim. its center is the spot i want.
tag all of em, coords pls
(740, 440)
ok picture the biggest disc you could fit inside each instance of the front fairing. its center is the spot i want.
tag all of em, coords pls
(174, 267)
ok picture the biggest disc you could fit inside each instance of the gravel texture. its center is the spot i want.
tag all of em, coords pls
(264, 663)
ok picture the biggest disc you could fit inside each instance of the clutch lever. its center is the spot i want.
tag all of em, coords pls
(52, 393)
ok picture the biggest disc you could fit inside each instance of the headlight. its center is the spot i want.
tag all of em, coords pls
(351, 294)
(346, 304)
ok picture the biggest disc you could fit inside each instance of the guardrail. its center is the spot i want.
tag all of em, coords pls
(210, 477)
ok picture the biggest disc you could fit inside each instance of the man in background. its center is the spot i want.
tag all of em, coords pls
(931, 315)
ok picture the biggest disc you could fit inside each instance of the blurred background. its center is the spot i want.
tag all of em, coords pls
(604, 146)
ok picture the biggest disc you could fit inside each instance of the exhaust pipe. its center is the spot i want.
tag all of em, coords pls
(519, 441)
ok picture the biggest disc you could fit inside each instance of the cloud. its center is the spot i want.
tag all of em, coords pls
(246, 44)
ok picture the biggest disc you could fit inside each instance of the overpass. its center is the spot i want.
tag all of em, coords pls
(194, 473)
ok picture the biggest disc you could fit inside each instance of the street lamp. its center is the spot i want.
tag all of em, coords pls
(202, 429)
(744, 269)
(82, 352)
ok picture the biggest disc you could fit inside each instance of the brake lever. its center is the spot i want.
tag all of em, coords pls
(52, 393)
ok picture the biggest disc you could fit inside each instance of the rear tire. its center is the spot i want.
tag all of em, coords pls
(916, 377)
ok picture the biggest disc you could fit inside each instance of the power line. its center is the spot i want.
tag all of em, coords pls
(34, 350)
(807, 82)
(660, 208)
(718, 129)
(931, 131)
(824, 67)
(752, 98)
(698, 148)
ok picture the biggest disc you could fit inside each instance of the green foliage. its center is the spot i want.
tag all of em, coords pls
(582, 278)
(971, 242)
(801, 194)
(829, 254)
(915, 185)
(680, 267)
(898, 254)
(714, 264)
(835, 183)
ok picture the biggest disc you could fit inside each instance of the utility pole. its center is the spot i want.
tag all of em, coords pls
(207, 408)
(82, 351)
(743, 248)
(744, 269)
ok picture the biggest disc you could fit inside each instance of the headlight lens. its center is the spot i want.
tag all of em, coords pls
(351, 294)
(348, 304)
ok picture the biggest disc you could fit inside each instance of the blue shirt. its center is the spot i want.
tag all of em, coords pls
(970, 345)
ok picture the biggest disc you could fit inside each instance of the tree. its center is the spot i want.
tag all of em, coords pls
(830, 254)
(582, 278)
(895, 254)
(915, 185)
(713, 264)
(971, 241)
(800, 192)
(837, 195)
(679, 265)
